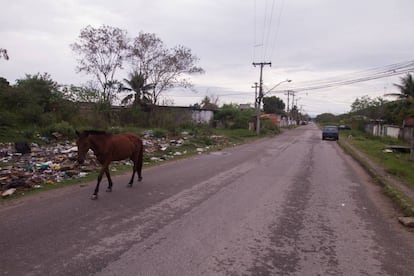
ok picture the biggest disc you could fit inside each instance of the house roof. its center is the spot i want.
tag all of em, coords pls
(409, 121)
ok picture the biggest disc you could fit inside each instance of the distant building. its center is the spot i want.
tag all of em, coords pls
(245, 106)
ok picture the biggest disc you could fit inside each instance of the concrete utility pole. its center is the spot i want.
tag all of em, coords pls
(290, 92)
(287, 106)
(259, 98)
(255, 94)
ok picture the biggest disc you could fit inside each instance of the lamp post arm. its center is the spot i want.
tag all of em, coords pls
(287, 80)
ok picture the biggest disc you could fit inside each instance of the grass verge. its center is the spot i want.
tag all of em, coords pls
(402, 201)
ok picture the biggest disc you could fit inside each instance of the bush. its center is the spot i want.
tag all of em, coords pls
(159, 133)
(230, 116)
(269, 127)
(63, 128)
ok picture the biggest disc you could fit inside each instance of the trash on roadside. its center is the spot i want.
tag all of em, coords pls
(406, 221)
(25, 166)
(8, 192)
(22, 147)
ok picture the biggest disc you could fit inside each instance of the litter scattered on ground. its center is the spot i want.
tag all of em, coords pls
(406, 221)
(33, 166)
(397, 148)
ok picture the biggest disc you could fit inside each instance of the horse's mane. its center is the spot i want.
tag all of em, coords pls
(96, 132)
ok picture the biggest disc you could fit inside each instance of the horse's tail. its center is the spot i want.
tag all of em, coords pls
(140, 159)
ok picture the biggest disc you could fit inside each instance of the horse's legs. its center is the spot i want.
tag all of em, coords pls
(134, 159)
(95, 193)
(108, 176)
(132, 178)
(139, 161)
(104, 169)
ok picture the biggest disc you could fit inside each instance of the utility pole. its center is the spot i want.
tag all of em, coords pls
(290, 92)
(287, 106)
(259, 98)
(255, 94)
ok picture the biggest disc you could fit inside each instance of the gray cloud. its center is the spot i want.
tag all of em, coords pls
(304, 40)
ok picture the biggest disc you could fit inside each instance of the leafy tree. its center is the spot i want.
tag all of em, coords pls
(273, 105)
(230, 116)
(164, 68)
(209, 102)
(87, 93)
(101, 53)
(372, 108)
(326, 118)
(3, 54)
(41, 89)
(4, 83)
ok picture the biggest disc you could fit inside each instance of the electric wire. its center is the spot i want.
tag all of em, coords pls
(268, 30)
(279, 17)
(352, 78)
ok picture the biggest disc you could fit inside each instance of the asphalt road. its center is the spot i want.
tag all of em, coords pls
(288, 205)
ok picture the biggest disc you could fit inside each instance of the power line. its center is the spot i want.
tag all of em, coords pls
(268, 31)
(356, 77)
(274, 42)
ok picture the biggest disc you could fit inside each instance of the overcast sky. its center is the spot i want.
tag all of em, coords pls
(305, 40)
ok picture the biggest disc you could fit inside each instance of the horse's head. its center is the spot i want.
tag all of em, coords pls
(83, 146)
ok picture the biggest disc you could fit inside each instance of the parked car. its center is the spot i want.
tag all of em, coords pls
(330, 132)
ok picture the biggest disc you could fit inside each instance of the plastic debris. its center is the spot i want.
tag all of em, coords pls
(8, 192)
(406, 221)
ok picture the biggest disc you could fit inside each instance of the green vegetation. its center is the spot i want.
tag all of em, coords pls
(397, 164)
(230, 116)
(364, 108)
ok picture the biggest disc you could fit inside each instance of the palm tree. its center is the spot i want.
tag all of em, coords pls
(137, 84)
(406, 88)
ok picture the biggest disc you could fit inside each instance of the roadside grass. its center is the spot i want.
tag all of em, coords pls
(397, 164)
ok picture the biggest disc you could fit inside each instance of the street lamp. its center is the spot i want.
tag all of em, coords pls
(286, 80)
(259, 101)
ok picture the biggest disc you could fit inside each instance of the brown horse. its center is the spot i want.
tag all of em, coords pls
(110, 147)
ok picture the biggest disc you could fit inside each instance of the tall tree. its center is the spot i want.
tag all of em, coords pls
(273, 105)
(101, 53)
(43, 91)
(372, 108)
(164, 68)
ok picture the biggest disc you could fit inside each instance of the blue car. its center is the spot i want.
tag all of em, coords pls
(330, 132)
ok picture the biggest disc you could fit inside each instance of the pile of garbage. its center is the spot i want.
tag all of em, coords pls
(24, 165)
(32, 166)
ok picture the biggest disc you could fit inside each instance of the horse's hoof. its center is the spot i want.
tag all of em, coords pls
(129, 185)
(109, 190)
(94, 197)
(140, 179)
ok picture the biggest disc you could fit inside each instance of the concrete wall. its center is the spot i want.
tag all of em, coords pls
(392, 131)
(201, 116)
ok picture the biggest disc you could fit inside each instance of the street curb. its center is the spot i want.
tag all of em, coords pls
(403, 202)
